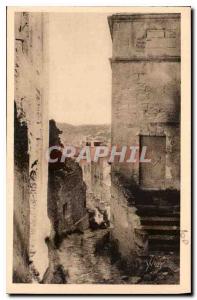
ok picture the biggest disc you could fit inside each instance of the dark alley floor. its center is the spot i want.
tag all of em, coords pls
(82, 265)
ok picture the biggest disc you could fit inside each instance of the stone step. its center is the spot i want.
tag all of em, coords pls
(164, 242)
(159, 237)
(158, 227)
(162, 220)
(151, 198)
(157, 230)
(155, 201)
(155, 206)
(169, 219)
(160, 224)
(163, 237)
(164, 247)
(158, 210)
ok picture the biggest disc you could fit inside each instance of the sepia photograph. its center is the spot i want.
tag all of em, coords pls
(99, 125)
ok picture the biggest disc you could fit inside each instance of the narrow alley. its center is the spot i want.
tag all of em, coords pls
(77, 255)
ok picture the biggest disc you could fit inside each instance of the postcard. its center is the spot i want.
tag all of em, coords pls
(98, 150)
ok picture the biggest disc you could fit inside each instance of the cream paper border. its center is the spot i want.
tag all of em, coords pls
(185, 250)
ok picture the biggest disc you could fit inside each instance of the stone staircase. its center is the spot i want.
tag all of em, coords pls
(159, 225)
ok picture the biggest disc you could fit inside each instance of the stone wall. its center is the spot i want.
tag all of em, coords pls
(67, 198)
(101, 185)
(123, 221)
(21, 202)
(66, 190)
(31, 110)
(147, 104)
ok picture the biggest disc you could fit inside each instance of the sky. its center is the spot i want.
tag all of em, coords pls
(79, 70)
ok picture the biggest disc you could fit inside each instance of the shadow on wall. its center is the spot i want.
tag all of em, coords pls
(66, 191)
(21, 202)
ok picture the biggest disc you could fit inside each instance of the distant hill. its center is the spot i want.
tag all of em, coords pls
(76, 135)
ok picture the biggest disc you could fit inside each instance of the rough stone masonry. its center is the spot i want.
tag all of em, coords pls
(31, 223)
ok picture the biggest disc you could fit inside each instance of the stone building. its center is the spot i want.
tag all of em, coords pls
(66, 191)
(101, 185)
(31, 223)
(98, 181)
(67, 199)
(146, 112)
